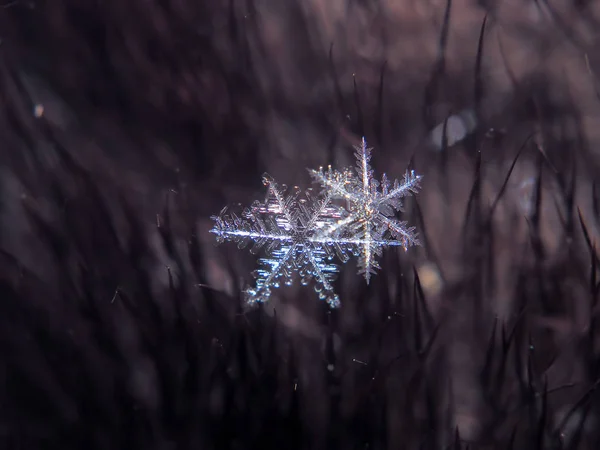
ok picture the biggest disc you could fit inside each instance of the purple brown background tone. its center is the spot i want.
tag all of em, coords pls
(124, 125)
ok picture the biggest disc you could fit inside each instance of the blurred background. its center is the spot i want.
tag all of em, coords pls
(126, 125)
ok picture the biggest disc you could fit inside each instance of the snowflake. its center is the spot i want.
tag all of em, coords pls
(302, 232)
(289, 227)
(371, 210)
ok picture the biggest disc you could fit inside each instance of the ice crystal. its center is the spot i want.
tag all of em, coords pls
(303, 232)
(371, 209)
(287, 225)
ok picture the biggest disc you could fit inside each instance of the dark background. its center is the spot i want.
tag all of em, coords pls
(124, 125)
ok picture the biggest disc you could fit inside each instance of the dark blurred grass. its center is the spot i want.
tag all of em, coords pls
(125, 125)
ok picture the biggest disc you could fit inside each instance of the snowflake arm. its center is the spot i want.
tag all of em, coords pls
(400, 230)
(410, 185)
(269, 275)
(363, 156)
